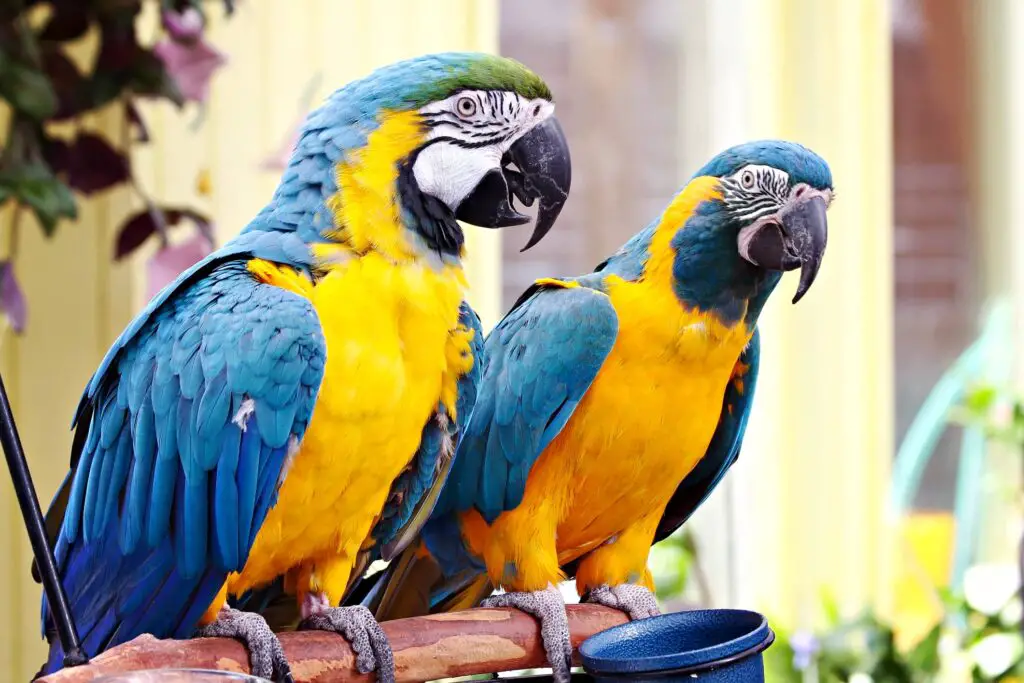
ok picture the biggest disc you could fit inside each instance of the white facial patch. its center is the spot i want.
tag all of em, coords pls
(469, 132)
(449, 172)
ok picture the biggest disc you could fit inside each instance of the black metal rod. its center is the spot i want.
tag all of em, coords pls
(1020, 559)
(33, 515)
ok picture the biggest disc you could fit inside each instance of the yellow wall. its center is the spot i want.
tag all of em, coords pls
(79, 301)
(816, 460)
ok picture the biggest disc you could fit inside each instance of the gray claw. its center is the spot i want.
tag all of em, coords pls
(636, 601)
(548, 606)
(363, 633)
(266, 656)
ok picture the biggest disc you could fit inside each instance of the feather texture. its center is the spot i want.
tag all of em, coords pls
(154, 503)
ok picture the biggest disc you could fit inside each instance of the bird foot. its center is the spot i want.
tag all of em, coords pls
(357, 626)
(548, 606)
(266, 656)
(636, 601)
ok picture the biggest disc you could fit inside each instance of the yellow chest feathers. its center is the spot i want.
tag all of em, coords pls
(394, 351)
(391, 330)
(660, 390)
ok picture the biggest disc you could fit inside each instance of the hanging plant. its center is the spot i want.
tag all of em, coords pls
(44, 174)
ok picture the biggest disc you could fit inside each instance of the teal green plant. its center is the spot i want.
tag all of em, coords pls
(979, 638)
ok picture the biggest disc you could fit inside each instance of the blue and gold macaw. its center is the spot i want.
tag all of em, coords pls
(613, 403)
(288, 406)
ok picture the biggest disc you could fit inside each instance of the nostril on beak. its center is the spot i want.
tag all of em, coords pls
(800, 190)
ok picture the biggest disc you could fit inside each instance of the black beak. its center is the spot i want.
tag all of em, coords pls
(544, 172)
(794, 239)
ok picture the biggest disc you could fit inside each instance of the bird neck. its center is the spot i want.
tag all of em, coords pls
(694, 251)
(350, 191)
(378, 206)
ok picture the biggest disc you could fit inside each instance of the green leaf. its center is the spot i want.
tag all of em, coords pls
(830, 607)
(36, 187)
(981, 398)
(149, 77)
(28, 91)
(924, 657)
(103, 88)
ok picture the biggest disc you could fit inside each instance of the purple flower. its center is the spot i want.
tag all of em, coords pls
(188, 59)
(185, 27)
(805, 646)
(171, 261)
(12, 299)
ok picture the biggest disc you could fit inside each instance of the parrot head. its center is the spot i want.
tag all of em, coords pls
(431, 141)
(493, 136)
(773, 198)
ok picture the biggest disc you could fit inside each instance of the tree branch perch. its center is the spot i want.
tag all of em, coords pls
(438, 646)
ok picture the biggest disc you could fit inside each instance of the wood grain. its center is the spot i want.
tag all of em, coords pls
(426, 648)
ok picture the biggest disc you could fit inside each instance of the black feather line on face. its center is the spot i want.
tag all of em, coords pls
(467, 144)
(768, 194)
(475, 136)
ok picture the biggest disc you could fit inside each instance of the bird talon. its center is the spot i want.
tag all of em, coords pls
(548, 607)
(266, 656)
(637, 602)
(362, 632)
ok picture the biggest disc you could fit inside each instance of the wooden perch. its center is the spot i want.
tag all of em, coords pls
(439, 646)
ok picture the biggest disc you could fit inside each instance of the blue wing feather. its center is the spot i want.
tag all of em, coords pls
(168, 491)
(723, 450)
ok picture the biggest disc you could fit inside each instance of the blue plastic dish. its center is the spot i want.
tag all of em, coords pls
(716, 646)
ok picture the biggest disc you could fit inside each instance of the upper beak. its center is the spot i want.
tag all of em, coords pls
(793, 238)
(545, 172)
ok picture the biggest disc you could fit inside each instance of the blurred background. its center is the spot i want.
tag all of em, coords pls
(875, 514)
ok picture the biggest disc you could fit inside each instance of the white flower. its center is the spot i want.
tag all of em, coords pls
(1012, 613)
(996, 653)
(988, 587)
(954, 664)
(955, 668)
(949, 643)
(860, 677)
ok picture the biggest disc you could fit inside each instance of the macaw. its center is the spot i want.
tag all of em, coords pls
(288, 406)
(613, 403)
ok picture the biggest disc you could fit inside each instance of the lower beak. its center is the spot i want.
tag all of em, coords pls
(794, 238)
(544, 173)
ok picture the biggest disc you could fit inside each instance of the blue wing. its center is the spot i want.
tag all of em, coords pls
(264, 240)
(540, 361)
(724, 448)
(186, 426)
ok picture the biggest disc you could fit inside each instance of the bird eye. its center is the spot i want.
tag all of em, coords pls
(465, 106)
(747, 180)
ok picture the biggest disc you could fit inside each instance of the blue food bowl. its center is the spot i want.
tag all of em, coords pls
(715, 646)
